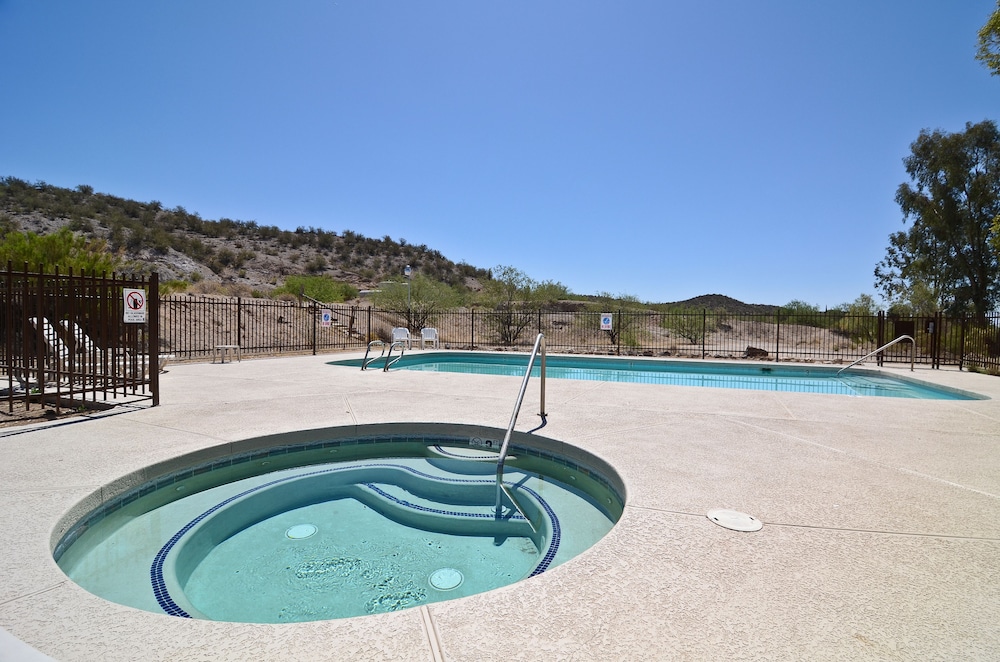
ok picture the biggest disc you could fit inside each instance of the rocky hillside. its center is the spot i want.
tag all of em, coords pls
(241, 256)
(183, 246)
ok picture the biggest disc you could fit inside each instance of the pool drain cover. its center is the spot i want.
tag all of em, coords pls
(446, 579)
(300, 531)
(735, 520)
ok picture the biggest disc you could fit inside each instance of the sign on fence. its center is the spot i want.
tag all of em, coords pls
(606, 322)
(327, 317)
(135, 305)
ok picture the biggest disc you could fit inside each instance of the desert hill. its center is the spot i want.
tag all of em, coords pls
(242, 256)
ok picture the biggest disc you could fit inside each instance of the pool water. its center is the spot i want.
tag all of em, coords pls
(395, 526)
(800, 379)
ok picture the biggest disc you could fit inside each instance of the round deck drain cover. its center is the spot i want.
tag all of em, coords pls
(300, 531)
(735, 520)
(446, 579)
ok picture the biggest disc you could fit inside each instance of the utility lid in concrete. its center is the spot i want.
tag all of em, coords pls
(735, 520)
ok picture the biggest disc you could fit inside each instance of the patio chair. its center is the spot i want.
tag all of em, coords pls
(429, 336)
(402, 334)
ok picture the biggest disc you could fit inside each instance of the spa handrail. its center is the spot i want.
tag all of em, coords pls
(913, 345)
(538, 348)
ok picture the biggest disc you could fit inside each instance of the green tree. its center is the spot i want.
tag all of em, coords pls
(859, 321)
(689, 322)
(916, 299)
(989, 42)
(801, 312)
(514, 300)
(952, 204)
(422, 302)
(60, 249)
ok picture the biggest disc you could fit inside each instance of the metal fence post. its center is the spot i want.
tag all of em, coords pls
(704, 329)
(880, 336)
(961, 344)
(314, 311)
(153, 306)
(777, 334)
(936, 339)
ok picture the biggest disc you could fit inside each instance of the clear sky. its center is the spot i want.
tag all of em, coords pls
(656, 148)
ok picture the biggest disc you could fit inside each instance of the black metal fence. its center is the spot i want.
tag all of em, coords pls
(66, 342)
(193, 326)
(65, 338)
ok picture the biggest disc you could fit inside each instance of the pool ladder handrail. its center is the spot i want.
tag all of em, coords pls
(913, 346)
(501, 488)
(365, 362)
(389, 361)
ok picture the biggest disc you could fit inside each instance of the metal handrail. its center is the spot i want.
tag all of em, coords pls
(365, 362)
(389, 361)
(913, 347)
(539, 347)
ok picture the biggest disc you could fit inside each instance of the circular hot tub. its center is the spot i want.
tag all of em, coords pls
(338, 522)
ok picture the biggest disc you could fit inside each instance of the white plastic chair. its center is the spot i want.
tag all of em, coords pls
(429, 336)
(402, 334)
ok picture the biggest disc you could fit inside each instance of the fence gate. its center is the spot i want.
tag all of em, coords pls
(77, 340)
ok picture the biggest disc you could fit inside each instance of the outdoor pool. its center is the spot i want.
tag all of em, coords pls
(750, 376)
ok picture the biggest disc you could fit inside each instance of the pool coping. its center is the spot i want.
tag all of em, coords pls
(937, 459)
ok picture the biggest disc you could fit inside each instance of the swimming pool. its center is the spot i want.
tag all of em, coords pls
(751, 376)
(336, 527)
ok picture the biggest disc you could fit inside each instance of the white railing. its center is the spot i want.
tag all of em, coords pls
(913, 345)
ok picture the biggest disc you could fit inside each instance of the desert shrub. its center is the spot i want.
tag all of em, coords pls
(174, 286)
(316, 264)
(322, 288)
(628, 317)
(60, 249)
(858, 320)
(982, 345)
(692, 324)
(800, 312)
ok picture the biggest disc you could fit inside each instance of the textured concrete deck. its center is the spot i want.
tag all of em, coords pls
(881, 535)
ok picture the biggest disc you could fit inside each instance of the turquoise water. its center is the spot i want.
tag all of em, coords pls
(391, 526)
(750, 376)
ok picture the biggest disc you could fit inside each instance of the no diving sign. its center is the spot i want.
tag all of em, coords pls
(135, 305)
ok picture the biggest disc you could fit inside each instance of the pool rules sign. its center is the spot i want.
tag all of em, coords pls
(135, 305)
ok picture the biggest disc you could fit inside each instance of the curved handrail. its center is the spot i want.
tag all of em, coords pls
(913, 345)
(365, 362)
(389, 361)
(539, 346)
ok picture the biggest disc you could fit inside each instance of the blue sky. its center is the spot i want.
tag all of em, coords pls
(655, 148)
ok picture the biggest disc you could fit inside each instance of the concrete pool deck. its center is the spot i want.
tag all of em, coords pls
(881, 535)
